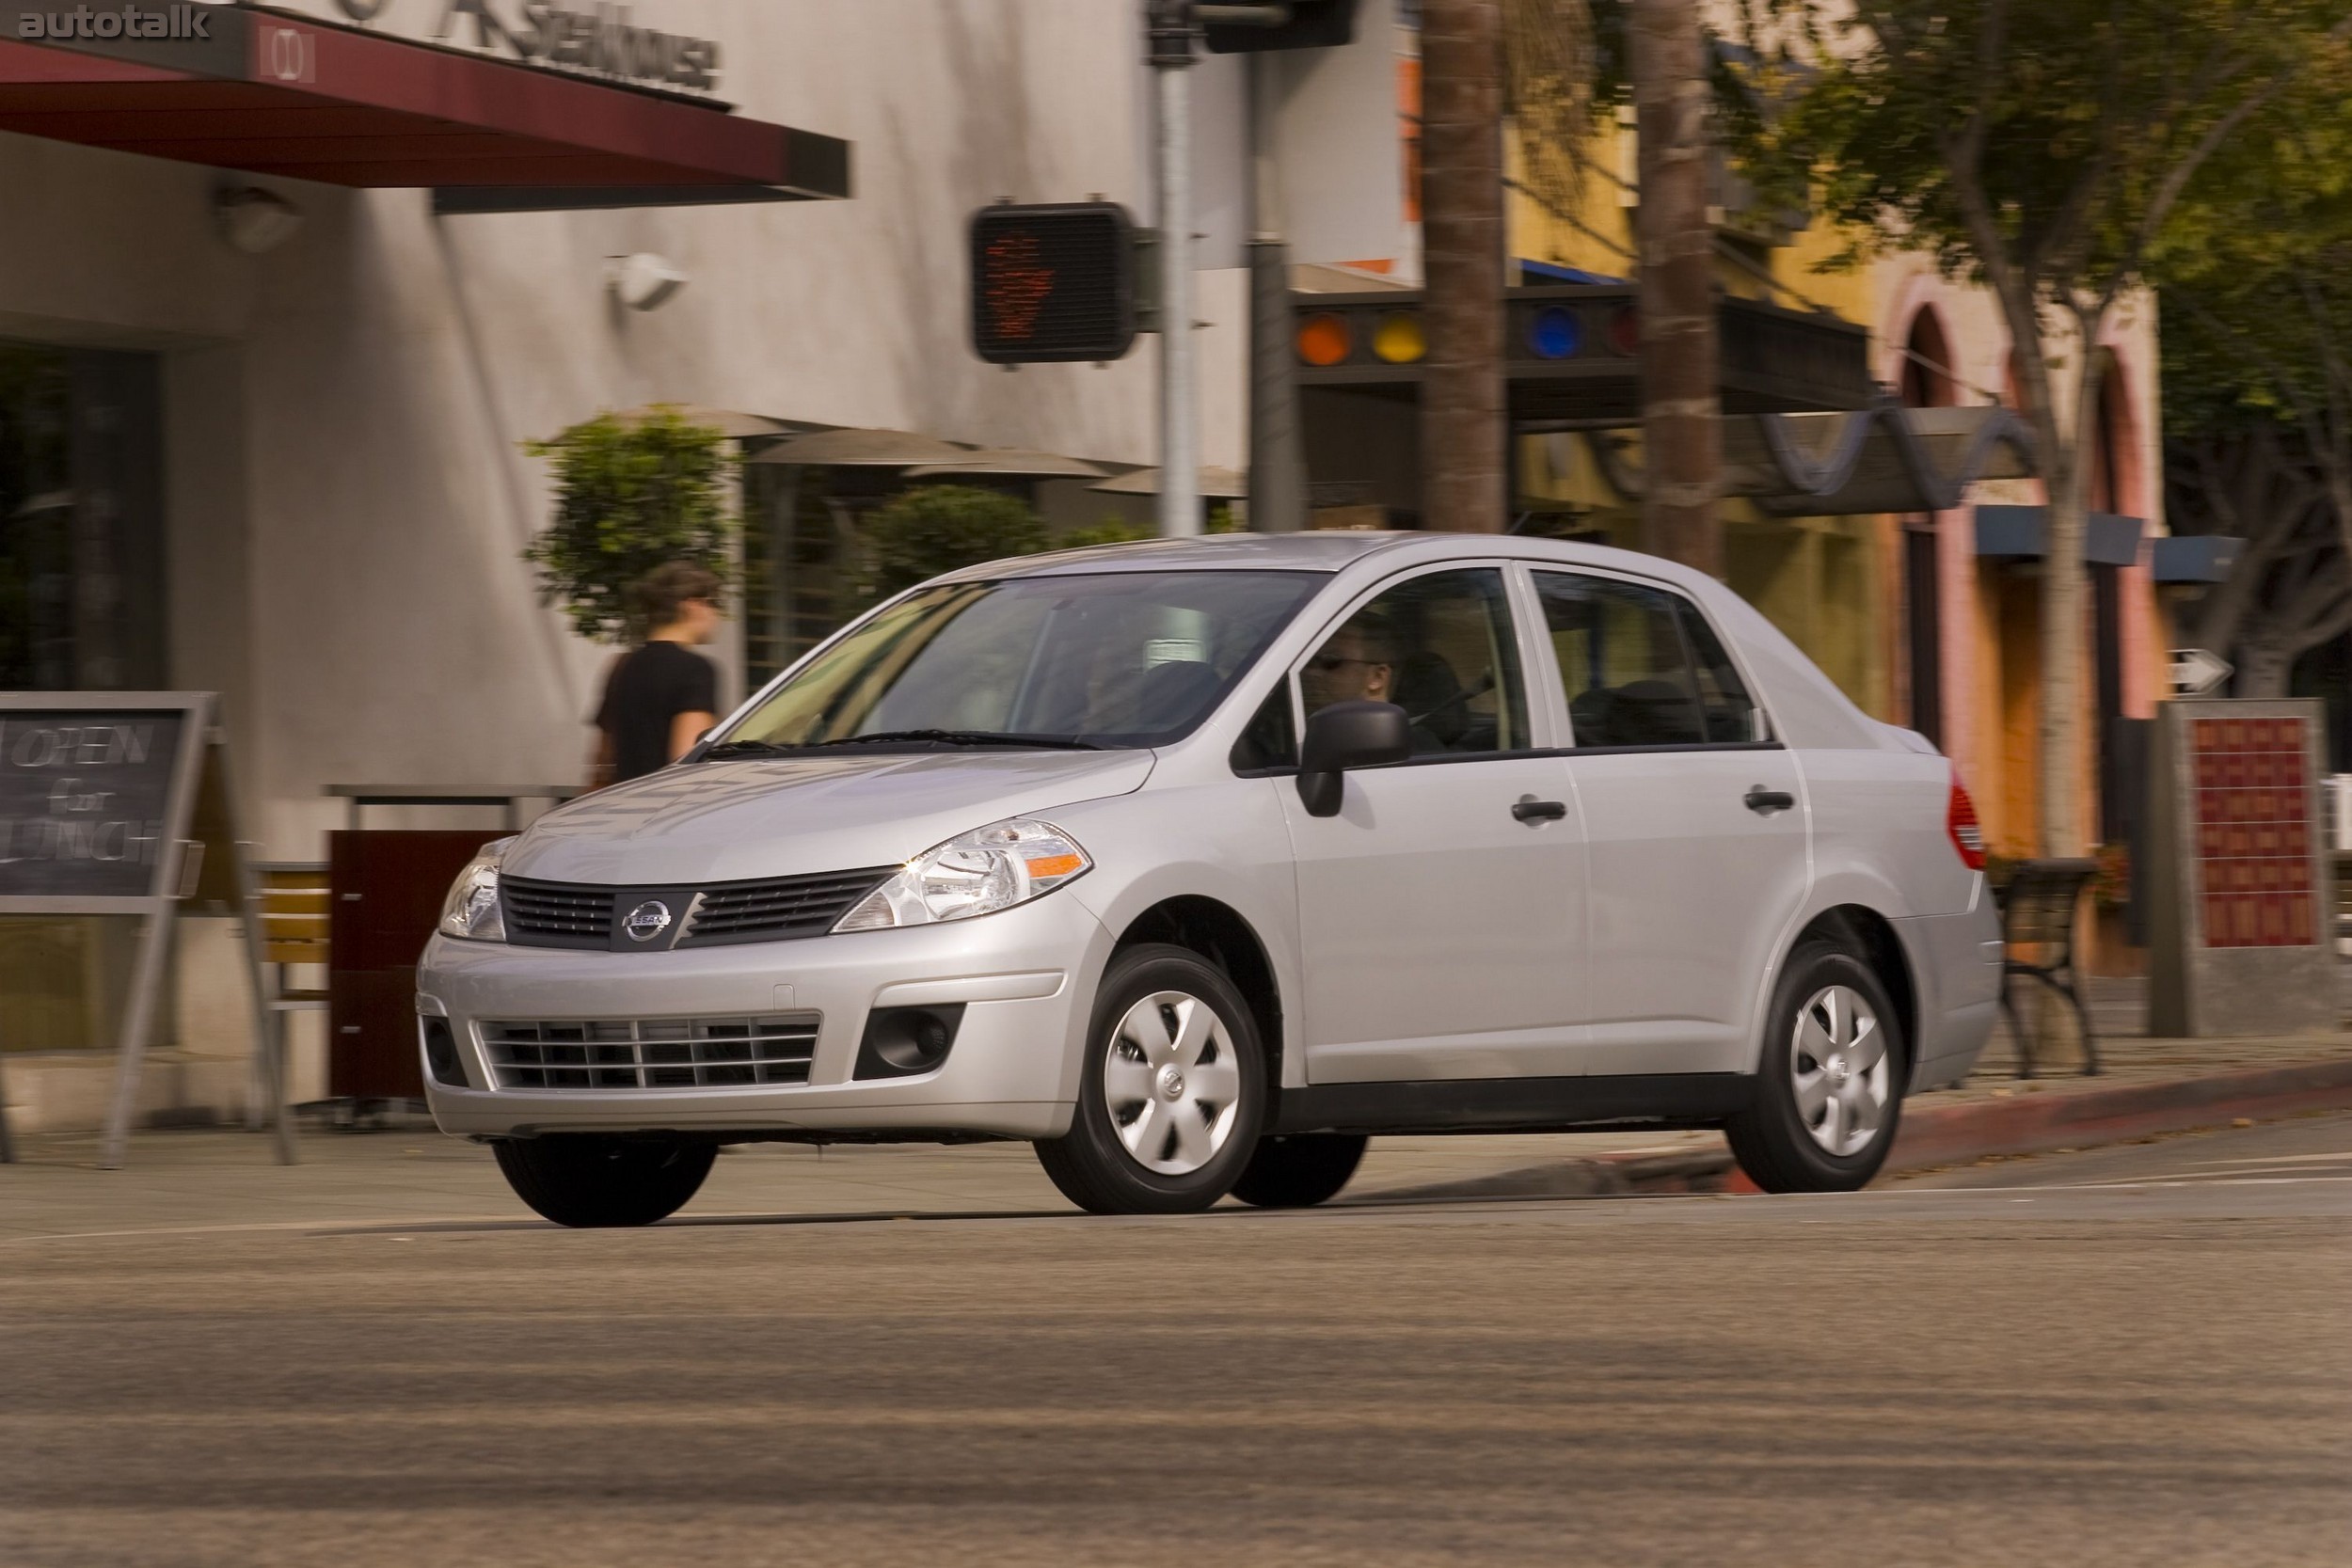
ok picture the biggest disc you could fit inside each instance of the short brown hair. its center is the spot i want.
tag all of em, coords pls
(661, 593)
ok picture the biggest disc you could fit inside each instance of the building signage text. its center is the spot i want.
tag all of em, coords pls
(600, 39)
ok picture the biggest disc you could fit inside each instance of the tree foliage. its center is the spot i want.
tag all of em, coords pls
(2258, 382)
(631, 494)
(2051, 151)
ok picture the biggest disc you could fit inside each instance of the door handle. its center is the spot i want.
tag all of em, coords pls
(1766, 801)
(1532, 810)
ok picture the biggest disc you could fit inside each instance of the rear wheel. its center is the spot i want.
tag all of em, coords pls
(1173, 1092)
(1829, 1089)
(1299, 1170)
(593, 1181)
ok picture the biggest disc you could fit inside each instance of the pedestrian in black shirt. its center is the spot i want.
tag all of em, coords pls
(660, 695)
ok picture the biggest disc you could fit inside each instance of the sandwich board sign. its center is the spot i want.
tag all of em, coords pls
(118, 803)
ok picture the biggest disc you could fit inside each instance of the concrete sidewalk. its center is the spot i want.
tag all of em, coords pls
(412, 1175)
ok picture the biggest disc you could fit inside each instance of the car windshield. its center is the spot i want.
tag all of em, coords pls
(1118, 658)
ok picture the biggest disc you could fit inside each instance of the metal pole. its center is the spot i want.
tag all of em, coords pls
(1171, 32)
(138, 1019)
(1278, 468)
(8, 1142)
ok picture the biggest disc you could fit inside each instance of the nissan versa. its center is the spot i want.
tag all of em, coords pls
(1197, 862)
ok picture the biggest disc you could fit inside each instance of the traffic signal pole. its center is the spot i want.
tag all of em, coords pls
(1172, 31)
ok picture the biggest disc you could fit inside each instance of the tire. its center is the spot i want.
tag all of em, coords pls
(1299, 1170)
(1173, 1093)
(1826, 1105)
(591, 1183)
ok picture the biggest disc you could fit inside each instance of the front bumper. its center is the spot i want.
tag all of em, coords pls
(1027, 978)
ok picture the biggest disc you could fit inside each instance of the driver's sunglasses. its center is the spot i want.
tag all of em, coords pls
(1324, 663)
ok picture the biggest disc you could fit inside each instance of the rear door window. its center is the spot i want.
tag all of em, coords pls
(1641, 667)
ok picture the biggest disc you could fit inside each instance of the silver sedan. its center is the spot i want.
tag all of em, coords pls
(1198, 863)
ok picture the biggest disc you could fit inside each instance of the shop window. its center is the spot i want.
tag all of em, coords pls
(81, 535)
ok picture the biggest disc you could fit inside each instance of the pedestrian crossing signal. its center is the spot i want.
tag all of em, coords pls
(1053, 283)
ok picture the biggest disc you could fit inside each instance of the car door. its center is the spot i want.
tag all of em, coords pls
(1695, 824)
(1441, 909)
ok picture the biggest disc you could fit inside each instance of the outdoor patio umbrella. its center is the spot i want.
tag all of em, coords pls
(870, 449)
(1219, 484)
(1010, 462)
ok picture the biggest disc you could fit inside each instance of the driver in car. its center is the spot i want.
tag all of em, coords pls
(1358, 664)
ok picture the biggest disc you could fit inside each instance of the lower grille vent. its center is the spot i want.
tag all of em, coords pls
(651, 1054)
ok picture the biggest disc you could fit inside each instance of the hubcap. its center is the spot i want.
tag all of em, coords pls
(1172, 1083)
(1838, 1067)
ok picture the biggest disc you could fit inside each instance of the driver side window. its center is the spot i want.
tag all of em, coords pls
(1440, 646)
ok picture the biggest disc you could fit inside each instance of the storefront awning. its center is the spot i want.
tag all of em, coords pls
(278, 95)
(1885, 458)
(2195, 558)
(2019, 533)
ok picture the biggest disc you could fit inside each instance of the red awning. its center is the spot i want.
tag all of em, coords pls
(276, 95)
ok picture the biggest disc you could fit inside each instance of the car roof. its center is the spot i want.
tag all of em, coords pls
(1325, 551)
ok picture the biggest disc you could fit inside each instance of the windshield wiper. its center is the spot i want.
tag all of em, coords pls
(730, 749)
(726, 749)
(968, 737)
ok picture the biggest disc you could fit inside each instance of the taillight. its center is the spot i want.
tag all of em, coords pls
(1960, 820)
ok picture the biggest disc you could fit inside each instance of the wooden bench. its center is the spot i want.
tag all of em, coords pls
(2037, 904)
(2342, 859)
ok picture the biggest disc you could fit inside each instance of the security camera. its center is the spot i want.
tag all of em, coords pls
(254, 220)
(644, 280)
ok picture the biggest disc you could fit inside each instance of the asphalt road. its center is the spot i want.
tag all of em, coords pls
(2130, 1356)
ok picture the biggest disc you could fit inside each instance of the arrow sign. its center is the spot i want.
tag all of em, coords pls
(2197, 670)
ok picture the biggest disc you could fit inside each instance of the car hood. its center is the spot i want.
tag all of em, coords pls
(724, 821)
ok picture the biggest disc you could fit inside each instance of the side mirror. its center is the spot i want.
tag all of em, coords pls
(1345, 735)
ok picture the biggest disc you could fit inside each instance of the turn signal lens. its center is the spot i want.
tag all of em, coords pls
(1967, 833)
(1323, 341)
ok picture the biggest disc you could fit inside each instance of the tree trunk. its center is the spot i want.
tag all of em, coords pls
(2058, 761)
(1681, 438)
(1462, 404)
(2262, 669)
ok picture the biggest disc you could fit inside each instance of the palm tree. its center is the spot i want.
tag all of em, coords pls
(1481, 60)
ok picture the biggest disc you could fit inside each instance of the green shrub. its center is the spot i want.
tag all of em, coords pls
(630, 496)
(939, 528)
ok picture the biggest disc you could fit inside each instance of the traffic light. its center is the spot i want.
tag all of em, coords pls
(1053, 283)
(1288, 25)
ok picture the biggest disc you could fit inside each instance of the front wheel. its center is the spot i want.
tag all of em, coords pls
(591, 1183)
(1828, 1091)
(1173, 1093)
(1299, 1170)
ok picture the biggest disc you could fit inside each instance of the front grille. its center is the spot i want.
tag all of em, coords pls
(779, 908)
(651, 1054)
(556, 914)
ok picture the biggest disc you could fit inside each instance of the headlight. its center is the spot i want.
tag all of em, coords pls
(985, 870)
(471, 908)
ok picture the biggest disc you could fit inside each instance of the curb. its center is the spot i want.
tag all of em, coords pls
(1945, 1135)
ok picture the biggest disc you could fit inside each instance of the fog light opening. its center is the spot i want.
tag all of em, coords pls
(901, 1042)
(440, 1052)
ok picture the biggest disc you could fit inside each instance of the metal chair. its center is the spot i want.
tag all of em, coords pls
(2038, 942)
